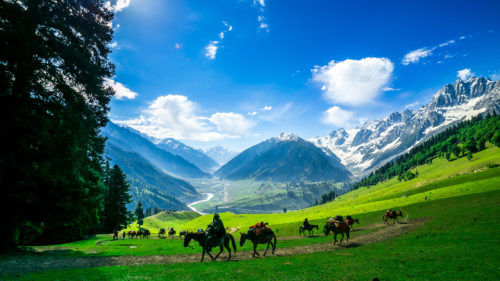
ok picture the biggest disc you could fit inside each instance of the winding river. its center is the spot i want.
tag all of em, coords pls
(209, 196)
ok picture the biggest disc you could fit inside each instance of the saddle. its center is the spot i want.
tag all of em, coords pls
(341, 225)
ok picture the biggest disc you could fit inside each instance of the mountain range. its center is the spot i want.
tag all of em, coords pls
(128, 139)
(285, 158)
(370, 145)
(221, 154)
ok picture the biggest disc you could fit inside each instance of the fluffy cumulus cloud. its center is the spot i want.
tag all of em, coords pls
(416, 55)
(175, 116)
(230, 123)
(337, 116)
(121, 91)
(266, 108)
(465, 74)
(353, 82)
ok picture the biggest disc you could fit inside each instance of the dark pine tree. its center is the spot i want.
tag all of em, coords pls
(115, 214)
(53, 62)
(139, 213)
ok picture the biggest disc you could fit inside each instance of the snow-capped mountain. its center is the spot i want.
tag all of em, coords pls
(221, 154)
(285, 158)
(375, 142)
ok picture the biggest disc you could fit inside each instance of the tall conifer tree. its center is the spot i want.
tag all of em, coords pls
(53, 62)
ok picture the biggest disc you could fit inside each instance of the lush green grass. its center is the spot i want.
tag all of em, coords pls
(165, 220)
(459, 243)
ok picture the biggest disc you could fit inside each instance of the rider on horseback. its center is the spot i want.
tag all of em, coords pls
(306, 224)
(216, 231)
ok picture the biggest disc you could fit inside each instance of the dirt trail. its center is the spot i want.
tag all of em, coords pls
(22, 264)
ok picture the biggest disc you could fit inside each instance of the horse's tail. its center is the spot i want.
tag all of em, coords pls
(233, 242)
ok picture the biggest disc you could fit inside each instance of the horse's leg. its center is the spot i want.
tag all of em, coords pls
(228, 249)
(334, 238)
(203, 254)
(341, 239)
(347, 233)
(221, 249)
(267, 248)
(255, 250)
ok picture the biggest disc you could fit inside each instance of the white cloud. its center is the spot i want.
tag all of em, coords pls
(337, 116)
(260, 2)
(464, 74)
(462, 37)
(495, 76)
(416, 55)
(266, 108)
(447, 43)
(211, 49)
(113, 45)
(177, 46)
(263, 25)
(389, 89)
(121, 92)
(231, 123)
(175, 116)
(253, 113)
(354, 82)
(412, 105)
(213, 46)
(119, 5)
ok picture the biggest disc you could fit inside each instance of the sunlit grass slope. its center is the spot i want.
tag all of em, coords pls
(441, 179)
(165, 220)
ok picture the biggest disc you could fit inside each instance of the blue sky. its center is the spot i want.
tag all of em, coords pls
(236, 72)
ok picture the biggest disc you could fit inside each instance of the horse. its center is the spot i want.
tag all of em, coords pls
(337, 228)
(392, 215)
(139, 233)
(203, 241)
(161, 233)
(146, 233)
(310, 228)
(182, 233)
(266, 237)
(171, 233)
(131, 234)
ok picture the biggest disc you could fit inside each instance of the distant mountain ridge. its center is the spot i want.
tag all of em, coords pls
(129, 140)
(220, 154)
(197, 157)
(285, 158)
(370, 145)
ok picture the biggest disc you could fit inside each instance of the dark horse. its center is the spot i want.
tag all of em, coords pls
(161, 233)
(202, 240)
(182, 233)
(310, 228)
(351, 222)
(171, 233)
(266, 237)
(337, 228)
(392, 215)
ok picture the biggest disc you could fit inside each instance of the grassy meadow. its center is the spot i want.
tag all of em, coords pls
(458, 242)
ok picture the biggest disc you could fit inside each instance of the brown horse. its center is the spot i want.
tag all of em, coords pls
(310, 228)
(207, 246)
(337, 228)
(161, 233)
(392, 215)
(266, 237)
(139, 233)
(146, 233)
(131, 234)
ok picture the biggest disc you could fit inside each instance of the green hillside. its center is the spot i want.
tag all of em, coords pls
(166, 220)
(441, 179)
